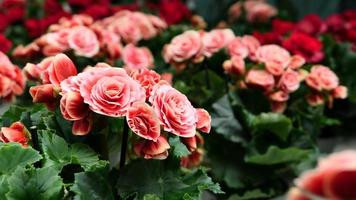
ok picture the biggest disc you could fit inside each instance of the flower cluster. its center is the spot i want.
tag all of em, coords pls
(257, 11)
(299, 38)
(333, 178)
(12, 81)
(146, 101)
(193, 46)
(17, 132)
(278, 74)
(90, 38)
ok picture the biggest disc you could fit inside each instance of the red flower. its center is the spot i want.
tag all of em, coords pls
(131, 7)
(268, 38)
(17, 132)
(173, 11)
(35, 27)
(311, 24)
(52, 6)
(97, 11)
(79, 3)
(15, 14)
(282, 26)
(5, 43)
(308, 47)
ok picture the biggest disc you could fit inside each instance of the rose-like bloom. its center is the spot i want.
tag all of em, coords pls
(192, 160)
(340, 92)
(312, 25)
(146, 27)
(83, 41)
(5, 43)
(315, 99)
(143, 121)
(204, 120)
(192, 143)
(259, 11)
(72, 106)
(335, 23)
(252, 45)
(147, 79)
(296, 62)
(268, 37)
(279, 96)
(173, 11)
(289, 81)
(236, 65)
(278, 107)
(296, 194)
(215, 40)
(334, 177)
(56, 69)
(46, 94)
(308, 47)
(174, 110)
(26, 51)
(183, 47)
(17, 132)
(198, 22)
(274, 57)
(109, 91)
(322, 78)
(12, 80)
(83, 126)
(235, 11)
(238, 48)
(168, 77)
(260, 78)
(152, 150)
(282, 27)
(136, 58)
(126, 26)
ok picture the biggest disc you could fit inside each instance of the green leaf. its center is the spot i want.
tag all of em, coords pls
(14, 113)
(13, 155)
(59, 153)
(4, 186)
(276, 123)
(179, 149)
(39, 184)
(151, 197)
(275, 155)
(224, 121)
(252, 194)
(86, 185)
(142, 177)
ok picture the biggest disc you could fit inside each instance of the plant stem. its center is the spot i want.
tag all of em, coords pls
(206, 70)
(125, 138)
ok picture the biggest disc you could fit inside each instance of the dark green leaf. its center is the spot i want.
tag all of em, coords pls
(13, 155)
(59, 153)
(275, 155)
(93, 185)
(273, 122)
(39, 184)
(252, 194)
(224, 121)
(179, 149)
(144, 177)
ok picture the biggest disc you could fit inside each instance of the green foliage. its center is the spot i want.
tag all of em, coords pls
(224, 121)
(13, 155)
(275, 123)
(143, 177)
(252, 194)
(93, 185)
(275, 155)
(36, 184)
(58, 153)
(178, 148)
